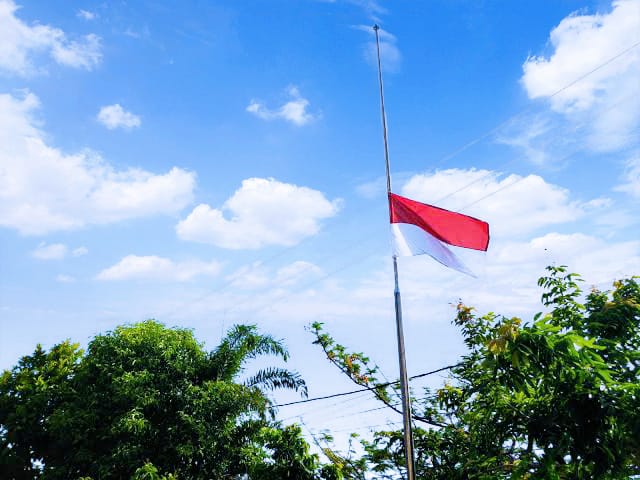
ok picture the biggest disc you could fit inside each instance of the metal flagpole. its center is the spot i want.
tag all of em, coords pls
(404, 381)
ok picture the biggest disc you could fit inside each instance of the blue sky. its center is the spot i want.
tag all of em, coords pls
(209, 163)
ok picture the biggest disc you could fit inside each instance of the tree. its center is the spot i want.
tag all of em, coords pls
(554, 398)
(149, 402)
(29, 396)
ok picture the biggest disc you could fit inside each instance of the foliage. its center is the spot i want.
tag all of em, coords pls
(149, 472)
(289, 458)
(358, 368)
(554, 398)
(29, 396)
(148, 402)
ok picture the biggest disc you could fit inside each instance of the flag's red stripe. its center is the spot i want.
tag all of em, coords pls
(450, 227)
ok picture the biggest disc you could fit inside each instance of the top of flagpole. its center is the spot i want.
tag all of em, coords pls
(384, 115)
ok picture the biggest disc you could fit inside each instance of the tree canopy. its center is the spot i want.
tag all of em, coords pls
(556, 397)
(148, 402)
(553, 397)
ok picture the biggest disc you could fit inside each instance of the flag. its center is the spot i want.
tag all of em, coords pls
(419, 228)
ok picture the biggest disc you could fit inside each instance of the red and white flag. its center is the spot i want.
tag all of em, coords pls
(419, 228)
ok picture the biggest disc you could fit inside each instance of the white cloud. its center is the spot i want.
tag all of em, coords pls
(262, 212)
(62, 278)
(517, 205)
(523, 219)
(506, 283)
(601, 91)
(293, 273)
(371, 8)
(598, 260)
(114, 116)
(534, 137)
(249, 277)
(54, 251)
(631, 179)
(43, 189)
(86, 15)
(158, 268)
(85, 54)
(581, 44)
(19, 42)
(258, 276)
(373, 188)
(390, 56)
(143, 32)
(615, 220)
(507, 280)
(294, 110)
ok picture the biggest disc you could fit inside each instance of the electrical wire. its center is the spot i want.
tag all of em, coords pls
(528, 109)
(364, 389)
(440, 161)
(327, 409)
(367, 427)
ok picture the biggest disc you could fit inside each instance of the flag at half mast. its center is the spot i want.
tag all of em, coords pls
(419, 228)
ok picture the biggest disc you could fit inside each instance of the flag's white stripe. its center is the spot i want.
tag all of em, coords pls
(409, 239)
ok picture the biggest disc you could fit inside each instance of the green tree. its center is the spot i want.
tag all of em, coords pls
(554, 398)
(148, 402)
(29, 396)
(287, 457)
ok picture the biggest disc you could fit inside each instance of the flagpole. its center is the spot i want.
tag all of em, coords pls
(404, 381)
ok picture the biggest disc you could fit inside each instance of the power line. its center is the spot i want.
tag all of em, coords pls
(527, 109)
(382, 385)
(514, 160)
(509, 185)
(440, 161)
(364, 411)
(365, 389)
(252, 267)
(364, 240)
(327, 409)
(500, 189)
(350, 264)
(367, 427)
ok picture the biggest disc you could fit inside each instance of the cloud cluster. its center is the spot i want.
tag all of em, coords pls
(257, 276)
(43, 189)
(507, 276)
(114, 116)
(63, 278)
(523, 213)
(390, 56)
(506, 284)
(523, 220)
(152, 267)
(19, 42)
(513, 206)
(293, 111)
(86, 15)
(631, 177)
(591, 76)
(56, 251)
(582, 44)
(262, 212)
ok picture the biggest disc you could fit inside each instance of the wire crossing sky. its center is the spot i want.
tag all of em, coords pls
(213, 163)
